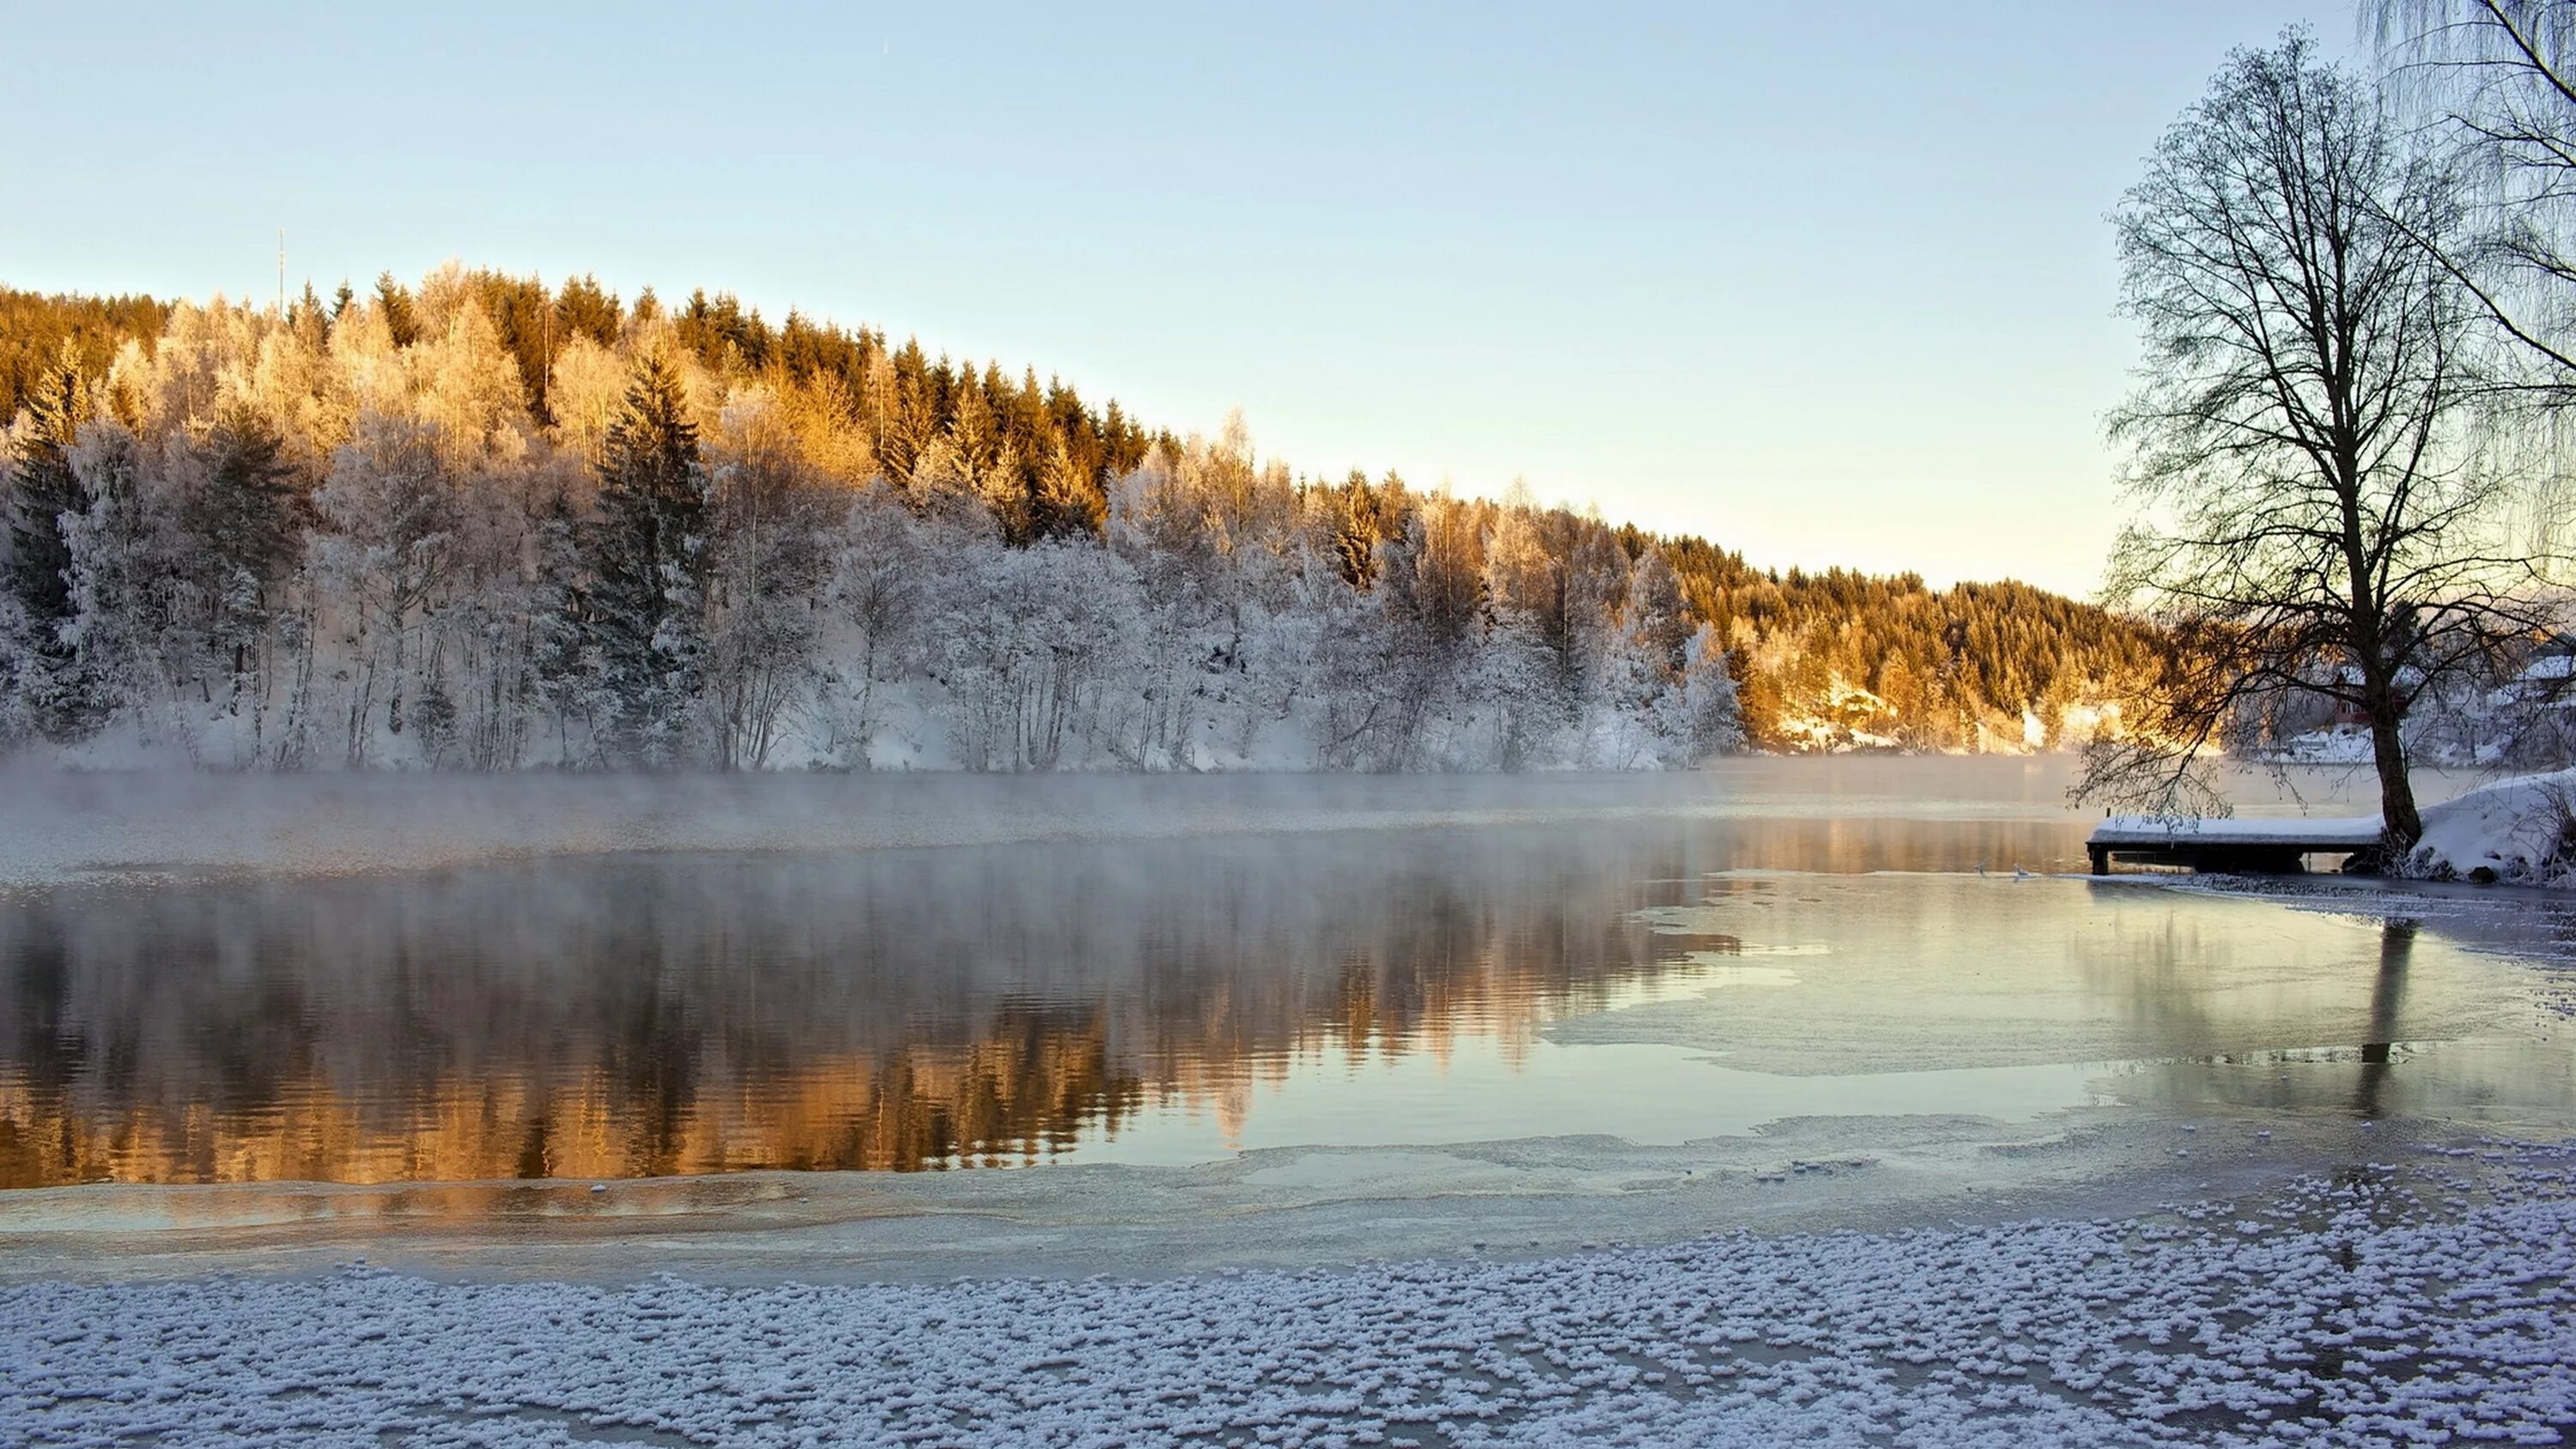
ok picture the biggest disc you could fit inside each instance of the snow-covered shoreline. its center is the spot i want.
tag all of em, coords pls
(2417, 1300)
(2521, 829)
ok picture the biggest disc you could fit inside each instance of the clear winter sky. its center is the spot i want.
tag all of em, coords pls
(1828, 283)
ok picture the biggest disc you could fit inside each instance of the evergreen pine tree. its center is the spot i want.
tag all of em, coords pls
(43, 488)
(400, 320)
(583, 308)
(1659, 616)
(555, 623)
(645, 553)
(1066, 504)
(245, 527)
(1355, 530)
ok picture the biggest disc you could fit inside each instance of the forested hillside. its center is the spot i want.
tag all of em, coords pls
(482, 523)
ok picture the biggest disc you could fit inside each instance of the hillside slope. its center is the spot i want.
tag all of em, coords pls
(416, 525)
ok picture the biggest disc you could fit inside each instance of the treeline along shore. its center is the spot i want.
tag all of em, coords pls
(480, 522)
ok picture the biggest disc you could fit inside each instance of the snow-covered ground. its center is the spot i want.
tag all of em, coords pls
(2426, 1300)
(2517, 828)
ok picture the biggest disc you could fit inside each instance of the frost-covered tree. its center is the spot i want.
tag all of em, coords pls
(1026, 644)
(392, 523)
(485, 547)
(1657, 618)
(1066, 502)
(1712, 718)
(43, 493)
(549, 633)
(241, 514)
(645, 554)
(945, 486)
(124, 570)
(770, 561)
(880, 574)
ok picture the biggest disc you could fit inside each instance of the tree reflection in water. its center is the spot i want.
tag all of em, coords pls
(893, 1010)
(2396, 948)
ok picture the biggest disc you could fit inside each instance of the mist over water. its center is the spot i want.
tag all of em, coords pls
(1174, 971)
(56, 825)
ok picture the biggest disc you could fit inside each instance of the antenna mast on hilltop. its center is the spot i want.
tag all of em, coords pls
(281, 274)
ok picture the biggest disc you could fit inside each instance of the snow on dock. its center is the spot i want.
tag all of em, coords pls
(2204, 843)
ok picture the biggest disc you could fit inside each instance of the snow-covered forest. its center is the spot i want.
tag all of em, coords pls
(478, 524)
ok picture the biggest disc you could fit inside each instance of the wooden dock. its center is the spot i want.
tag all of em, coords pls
(2255, 847)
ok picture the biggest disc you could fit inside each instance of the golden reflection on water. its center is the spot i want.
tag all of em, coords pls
(697, 1015)
(1014, 1097)
(898, 1010)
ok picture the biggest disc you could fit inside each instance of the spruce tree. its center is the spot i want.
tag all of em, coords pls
(245, 526)
(1355, 531)
(1066, 503)
(43, 488)
(645, 552)
(583, 308)
(400, 321)
(1659, 614)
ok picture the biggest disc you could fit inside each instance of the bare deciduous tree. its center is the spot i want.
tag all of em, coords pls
(2312, 513)
(2497, 80)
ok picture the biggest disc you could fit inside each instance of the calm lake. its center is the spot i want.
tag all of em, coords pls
(1414, 962)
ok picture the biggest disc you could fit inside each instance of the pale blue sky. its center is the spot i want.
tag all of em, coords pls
(1829, 283)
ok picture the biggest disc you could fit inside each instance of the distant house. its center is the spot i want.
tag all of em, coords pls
(2530, 720)
(2548, 682)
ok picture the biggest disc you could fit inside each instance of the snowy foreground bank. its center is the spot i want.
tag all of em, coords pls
(2521, 829)
(2428, 1301)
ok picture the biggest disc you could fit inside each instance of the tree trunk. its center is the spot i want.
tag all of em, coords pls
(2381, 666)
(2400, 824)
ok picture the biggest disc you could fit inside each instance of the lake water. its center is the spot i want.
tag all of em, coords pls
(1409, 962)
